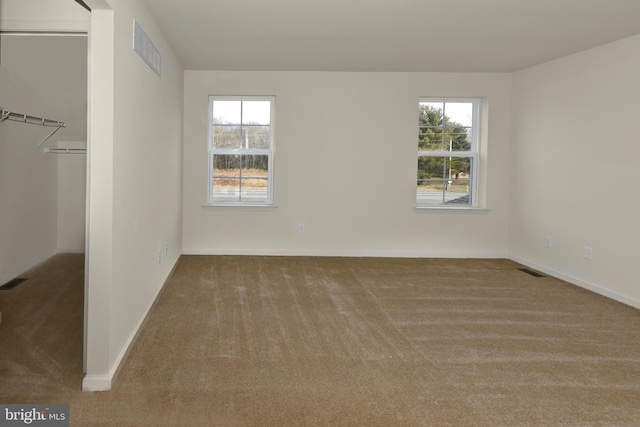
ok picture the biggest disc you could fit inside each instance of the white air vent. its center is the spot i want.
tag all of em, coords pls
(146, 49)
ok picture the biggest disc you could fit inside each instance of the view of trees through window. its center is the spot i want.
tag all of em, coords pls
(240, 149)
(445, 153)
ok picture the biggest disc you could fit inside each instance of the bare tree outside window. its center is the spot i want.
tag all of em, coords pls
(241, 149)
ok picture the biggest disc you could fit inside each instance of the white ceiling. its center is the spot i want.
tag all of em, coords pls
(388, 35)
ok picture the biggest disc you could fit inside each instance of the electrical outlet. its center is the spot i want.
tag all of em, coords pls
(159, 257)
(588, 253)
(548, 242)
(300, 228)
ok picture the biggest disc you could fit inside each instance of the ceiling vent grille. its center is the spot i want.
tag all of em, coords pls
(146, 49)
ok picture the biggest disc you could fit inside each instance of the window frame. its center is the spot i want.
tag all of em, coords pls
(269, 152)
(474, 154)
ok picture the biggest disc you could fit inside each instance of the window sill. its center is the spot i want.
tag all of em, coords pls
(236, 206)
(452, 210)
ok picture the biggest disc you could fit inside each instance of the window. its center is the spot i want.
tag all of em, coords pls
(241, 150)
(448, 153)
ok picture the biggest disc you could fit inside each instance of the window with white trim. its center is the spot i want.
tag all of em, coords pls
(241, 140)
(448, 152)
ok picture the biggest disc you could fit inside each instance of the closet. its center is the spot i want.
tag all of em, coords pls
(43, 134)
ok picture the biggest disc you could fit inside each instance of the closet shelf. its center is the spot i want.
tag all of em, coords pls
(32, 120)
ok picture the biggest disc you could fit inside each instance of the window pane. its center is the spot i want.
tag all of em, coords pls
(432, 112)
(240, 178)
(457, 139)
(226, 177)
(458, 184)
(227, 112)
(226, 189)
(256, 112)
(430, 180)
(430, 138)
(226, 165)
(460, 113)
(255, 178)
(430, 135)
(256, 137)
(255, 167)
(444, 180)
(226, 137)
(254, 189)
(445, 126)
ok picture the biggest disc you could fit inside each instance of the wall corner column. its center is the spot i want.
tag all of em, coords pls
(100, 175)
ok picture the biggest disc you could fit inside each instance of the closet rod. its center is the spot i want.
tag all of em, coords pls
(33, 120)
(83, 4)
(65, 150)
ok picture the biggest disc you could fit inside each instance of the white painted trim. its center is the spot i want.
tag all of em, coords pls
(70, 250)
(104, 382)
(451, 210)
(346, 254)
(100, 183)
(96, 383)
(12, 274)
(232, 206)
(579, 282)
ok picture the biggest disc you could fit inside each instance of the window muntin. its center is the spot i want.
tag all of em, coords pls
(241, 150)
(447, 152)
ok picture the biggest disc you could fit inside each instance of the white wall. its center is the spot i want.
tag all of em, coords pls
(43, 15)
(575, 172)
(29, 184)
(148, 173)
(38, 192)
(72, 196)
(345, 166)
(135, 183)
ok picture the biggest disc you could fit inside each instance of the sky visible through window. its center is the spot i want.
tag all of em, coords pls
(252, 112)
(258, 112)
(458, 112)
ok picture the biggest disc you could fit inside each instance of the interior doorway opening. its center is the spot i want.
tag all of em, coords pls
(43, 201)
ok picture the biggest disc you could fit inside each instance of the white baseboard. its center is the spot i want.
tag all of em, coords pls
(104, 382)
(579, 282)
(96, 383)
(346, 254)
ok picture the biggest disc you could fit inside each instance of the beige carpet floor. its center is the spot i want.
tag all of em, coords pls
(291, 341)
(41, 330)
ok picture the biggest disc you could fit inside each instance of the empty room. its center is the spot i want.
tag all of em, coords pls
(320, 213)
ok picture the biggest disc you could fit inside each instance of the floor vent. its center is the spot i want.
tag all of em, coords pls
(11, 284)
(531, 272)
